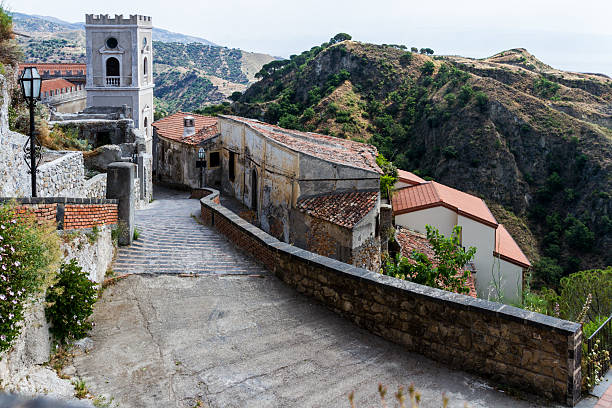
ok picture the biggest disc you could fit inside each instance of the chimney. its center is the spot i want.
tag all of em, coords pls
(189, 126)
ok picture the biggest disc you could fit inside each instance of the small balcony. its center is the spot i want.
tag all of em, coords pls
(113, 81)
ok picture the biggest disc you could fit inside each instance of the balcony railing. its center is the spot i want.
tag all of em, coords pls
(603, 335)
(113, 81)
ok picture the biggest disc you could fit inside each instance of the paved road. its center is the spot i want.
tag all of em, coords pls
(162, 340)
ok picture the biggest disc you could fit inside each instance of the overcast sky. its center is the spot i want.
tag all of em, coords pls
(571, 35)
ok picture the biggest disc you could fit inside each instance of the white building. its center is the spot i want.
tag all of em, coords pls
(499, 262)
(119, 65)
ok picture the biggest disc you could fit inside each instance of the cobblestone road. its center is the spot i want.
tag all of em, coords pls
(162, 339)
(171, 241)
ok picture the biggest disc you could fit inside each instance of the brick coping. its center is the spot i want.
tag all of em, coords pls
(438, 295)
(58, 200)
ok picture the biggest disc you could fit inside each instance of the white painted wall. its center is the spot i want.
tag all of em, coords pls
(482, 237)
(511, 282)
(440, 217)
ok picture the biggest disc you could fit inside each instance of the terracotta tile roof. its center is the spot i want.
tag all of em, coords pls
(410, 241)
(64, 69)
(507, 249)
(408, 177)
(172, 126)
(433, 194)
(333, 149)
(343, 209)
(57, 83)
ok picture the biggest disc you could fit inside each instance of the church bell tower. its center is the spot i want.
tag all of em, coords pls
(119, 65)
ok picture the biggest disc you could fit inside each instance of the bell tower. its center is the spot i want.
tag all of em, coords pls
(119, 65)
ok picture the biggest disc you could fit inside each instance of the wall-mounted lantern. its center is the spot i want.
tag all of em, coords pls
(201, 163)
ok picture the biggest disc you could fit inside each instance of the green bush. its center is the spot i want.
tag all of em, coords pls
(482, 101)
(389, 178)
(545, 88)
(465, 94)
(70, 303)
(450, 152)
(547, 271)
(406, 58)
(428, 68)
(447, 273)
(29, 256)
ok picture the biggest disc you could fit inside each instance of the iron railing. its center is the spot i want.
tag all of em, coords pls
(604, 335)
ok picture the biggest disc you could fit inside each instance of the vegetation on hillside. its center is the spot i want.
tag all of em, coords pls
(534, 142)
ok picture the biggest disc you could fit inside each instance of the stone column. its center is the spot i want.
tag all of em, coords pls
(120, 186)
(386, 223)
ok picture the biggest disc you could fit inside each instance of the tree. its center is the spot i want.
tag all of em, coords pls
(389, 178)
(235, 96)
(428, 68)
(339, 38)
(445, 271)
(414, 49)
(547, 271)
(426, 51)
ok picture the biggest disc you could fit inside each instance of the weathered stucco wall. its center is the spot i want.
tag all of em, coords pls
(440, 217)
(176, 164)
(507, 345)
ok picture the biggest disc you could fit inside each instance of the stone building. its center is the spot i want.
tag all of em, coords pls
(119, 65)
(176, 141)
(315, 191)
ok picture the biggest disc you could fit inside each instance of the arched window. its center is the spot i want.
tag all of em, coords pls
(112, 67)
(144, 66)
(146, 128)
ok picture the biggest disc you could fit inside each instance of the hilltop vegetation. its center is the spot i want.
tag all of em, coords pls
(534, 142)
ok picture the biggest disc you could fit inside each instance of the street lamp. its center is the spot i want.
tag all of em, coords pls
(201, 162)
(30, 87)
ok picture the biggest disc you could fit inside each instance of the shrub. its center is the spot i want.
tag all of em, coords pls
(29, 256)
(465, 94)
(482, 101)
(450, 98)
(547, 271)
(406, 58)
(389, 178)
(578, 235)
(70, 303)
(450, 152)
(545, 88)
(428, 68)
(446, 273)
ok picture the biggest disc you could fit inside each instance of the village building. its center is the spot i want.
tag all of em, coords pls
(317, 192)
(407, 178)
(177, 140)
(499, 262)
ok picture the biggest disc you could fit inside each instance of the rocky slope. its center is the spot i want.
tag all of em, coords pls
(189, 71)
(534, 142)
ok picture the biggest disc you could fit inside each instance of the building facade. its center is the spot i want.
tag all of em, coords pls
(305, 188)
(119, 65)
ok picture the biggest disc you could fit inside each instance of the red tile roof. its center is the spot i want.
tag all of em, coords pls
(343, 209)
(507, 249)
(408, 177)
(57, 83)
(63, 68)
(433, 194)
(333, 149)
(410, 241)
(172, 126)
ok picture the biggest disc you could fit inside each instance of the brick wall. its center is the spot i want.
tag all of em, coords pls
(510, 346)
(69, 213)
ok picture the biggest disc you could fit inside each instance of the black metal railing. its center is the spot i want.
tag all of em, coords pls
(604, 335)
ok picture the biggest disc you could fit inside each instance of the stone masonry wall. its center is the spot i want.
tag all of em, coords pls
(509, 346)
(63, 177)
(95, 187)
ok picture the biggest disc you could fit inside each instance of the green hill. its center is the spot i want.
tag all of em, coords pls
(534, 142)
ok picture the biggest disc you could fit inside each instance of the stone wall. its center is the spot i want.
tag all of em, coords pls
(63, 177)
(22, 368)
(69, 213)
(507, 345)
(95, 187)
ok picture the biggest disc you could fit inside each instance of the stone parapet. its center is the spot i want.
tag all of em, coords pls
(510, 346)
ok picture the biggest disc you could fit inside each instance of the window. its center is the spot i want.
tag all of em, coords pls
(213, 160)
(144, 67)
(232, 165)
(112, 42)
(146, 128)
(112, 67)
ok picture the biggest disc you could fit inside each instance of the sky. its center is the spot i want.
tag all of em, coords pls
(569, 35)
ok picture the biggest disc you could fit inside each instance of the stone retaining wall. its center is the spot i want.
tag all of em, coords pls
(63, 177)
(95, 187)
(69, 213)
(509, 346)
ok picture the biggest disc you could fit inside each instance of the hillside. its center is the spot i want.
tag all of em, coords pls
(190, 72)
(534, 142)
